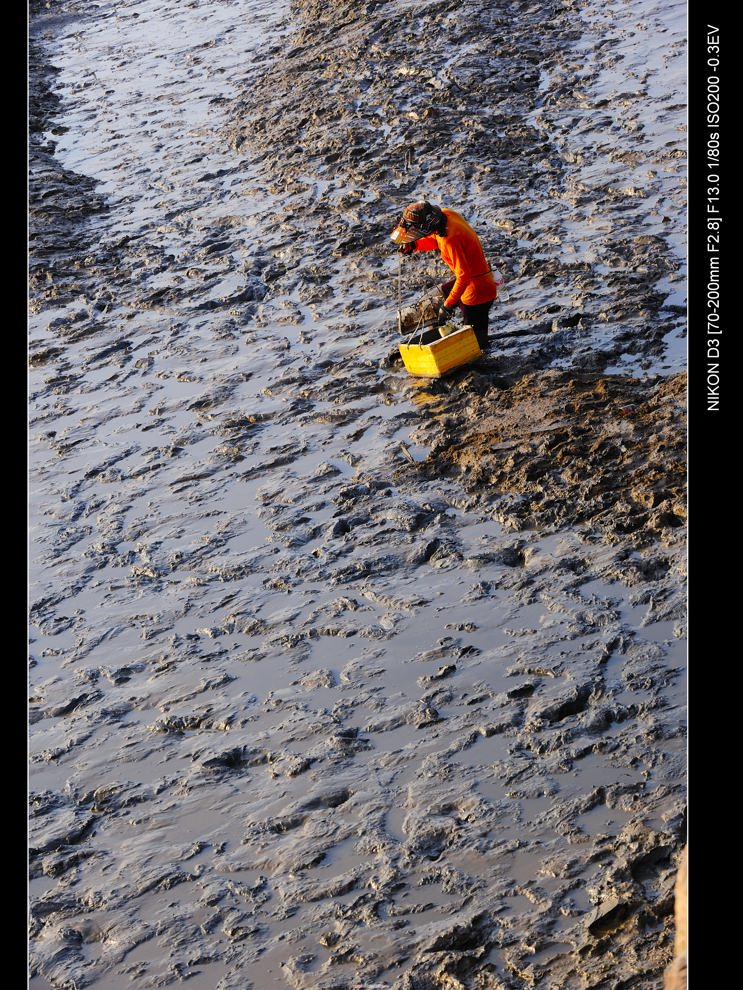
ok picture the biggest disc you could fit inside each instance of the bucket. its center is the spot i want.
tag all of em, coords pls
(432, 355)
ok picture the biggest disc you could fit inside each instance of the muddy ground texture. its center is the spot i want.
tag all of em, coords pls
(606, 453)
(341, 679)
(550, 448)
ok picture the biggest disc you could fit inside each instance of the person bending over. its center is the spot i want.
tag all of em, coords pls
(425, 227)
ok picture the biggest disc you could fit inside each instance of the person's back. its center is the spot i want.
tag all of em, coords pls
(461, 250)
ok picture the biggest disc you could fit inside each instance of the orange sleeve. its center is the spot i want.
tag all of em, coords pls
(458, 265)
(426, 244)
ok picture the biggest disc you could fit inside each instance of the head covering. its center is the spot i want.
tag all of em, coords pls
(418, 220)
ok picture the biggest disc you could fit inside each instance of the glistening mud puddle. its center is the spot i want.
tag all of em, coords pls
(341, 679)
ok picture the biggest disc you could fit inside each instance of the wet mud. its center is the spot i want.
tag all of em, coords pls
(339, 678)
(604, 453)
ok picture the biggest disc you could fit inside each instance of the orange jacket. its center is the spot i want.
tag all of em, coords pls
(462, 251)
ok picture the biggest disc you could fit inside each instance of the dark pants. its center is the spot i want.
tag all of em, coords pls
(474, 316)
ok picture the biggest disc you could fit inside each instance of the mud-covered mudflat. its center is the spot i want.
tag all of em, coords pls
(343, 679)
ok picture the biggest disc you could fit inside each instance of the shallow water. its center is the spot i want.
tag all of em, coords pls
(298, 710)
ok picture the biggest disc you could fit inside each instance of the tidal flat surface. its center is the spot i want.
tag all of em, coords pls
(339, 678)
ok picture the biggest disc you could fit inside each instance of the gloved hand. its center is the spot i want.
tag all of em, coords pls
(407, 248)
(446, 312)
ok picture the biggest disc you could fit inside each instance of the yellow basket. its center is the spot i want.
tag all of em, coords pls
(434, 355)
